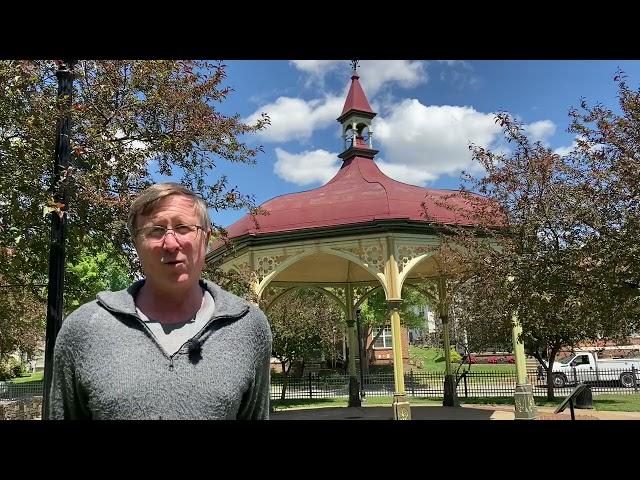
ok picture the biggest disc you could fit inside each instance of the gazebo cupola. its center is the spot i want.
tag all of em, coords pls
(356, 117)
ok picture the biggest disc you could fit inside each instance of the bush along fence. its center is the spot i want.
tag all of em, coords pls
(431, 384)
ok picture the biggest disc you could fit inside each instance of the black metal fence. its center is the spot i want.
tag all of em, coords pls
(417, 384)
(471, 384)
(17, 391)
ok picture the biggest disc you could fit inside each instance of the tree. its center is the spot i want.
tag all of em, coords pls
(606, 191)
(93, 273)
(131, 120)
(302, 324)
(551, 236)
(374, 315)
(22, 318)
(477, 330)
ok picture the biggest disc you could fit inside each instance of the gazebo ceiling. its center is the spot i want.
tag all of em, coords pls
(328, 268)
(324, 268)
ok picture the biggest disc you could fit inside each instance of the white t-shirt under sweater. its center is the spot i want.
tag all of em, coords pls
(173, 336)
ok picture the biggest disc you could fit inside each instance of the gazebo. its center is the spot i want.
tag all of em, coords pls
(359, 232)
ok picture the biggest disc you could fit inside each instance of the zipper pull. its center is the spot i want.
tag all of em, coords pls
(171, 364)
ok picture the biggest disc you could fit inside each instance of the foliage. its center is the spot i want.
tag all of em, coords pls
(12, 368)
(92, 274)
(374, 315)
(554, 237)
(303, 325)
(130, 121)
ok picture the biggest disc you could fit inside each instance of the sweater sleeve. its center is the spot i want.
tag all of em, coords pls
(255, 404)
(65, 399)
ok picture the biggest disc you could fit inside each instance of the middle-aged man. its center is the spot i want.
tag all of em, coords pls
(171, 346)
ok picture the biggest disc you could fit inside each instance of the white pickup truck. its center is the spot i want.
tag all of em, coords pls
(586, 367)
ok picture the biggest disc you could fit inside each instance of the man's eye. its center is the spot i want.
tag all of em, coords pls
(183, 229)
(156, 232)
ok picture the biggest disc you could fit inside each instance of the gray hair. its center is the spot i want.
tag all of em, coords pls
(147, 200)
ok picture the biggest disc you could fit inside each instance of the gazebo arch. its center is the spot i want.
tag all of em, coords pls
(360, 231)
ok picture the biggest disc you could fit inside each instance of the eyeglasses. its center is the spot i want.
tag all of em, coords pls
(182, 233)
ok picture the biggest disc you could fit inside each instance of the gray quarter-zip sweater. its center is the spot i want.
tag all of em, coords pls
(108, 365)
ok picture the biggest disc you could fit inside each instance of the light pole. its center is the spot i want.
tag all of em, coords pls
(64, 73)
(361, 353)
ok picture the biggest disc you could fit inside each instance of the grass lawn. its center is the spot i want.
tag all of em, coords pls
(429, 357)
(36, 377)
(605, 402)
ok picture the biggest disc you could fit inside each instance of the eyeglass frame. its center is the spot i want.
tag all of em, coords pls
(166, 231)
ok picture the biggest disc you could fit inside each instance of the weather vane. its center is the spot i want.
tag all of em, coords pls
(354, 64)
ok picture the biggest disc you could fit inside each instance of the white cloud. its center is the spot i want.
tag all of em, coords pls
(562, 151)
(404, 173)
(421, 143)
(317, 67)
(540, 130)
(317, 70)
(566, 150)
(131, 144)
(296, 119)
(308, 167)
(374, 74)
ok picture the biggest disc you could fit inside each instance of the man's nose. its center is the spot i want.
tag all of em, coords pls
(170, 241)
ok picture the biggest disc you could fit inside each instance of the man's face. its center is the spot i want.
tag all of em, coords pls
(175, 260)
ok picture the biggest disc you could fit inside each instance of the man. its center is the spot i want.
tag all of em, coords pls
(171, 346)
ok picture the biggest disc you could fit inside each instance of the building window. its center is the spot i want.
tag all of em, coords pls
(385, 339)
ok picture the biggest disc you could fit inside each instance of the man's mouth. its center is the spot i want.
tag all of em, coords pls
(172, 262)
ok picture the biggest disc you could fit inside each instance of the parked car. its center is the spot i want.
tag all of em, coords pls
(585, 366)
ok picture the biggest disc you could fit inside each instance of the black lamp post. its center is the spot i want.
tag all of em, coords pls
(362, 354)
(58, 220)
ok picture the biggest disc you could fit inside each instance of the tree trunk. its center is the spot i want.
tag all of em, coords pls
(285, 378)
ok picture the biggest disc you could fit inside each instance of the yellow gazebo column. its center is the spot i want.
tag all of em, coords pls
(450, 394)
(525, 407)
(401, 407)
(354, 385)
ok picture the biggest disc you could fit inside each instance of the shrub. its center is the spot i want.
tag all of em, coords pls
(455, 357)
(11, 368)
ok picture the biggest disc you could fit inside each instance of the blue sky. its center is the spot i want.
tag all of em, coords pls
(428, 112)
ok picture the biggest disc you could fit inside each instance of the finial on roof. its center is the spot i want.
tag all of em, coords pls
(354, 65)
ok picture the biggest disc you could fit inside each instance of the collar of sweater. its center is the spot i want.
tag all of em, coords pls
(227, 305)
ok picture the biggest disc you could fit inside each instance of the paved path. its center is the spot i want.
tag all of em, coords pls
(435, 412)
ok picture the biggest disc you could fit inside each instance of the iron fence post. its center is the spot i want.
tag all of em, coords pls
(466, 389)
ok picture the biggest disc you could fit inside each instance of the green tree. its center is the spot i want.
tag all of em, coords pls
(302, 324)
(131, 120)
(374, 315)
(93, 273)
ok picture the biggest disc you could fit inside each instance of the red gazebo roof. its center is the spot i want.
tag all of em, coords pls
(359, 193)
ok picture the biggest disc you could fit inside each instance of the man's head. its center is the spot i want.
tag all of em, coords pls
(171, 230)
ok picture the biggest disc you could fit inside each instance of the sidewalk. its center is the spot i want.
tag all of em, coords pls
(435, 412)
